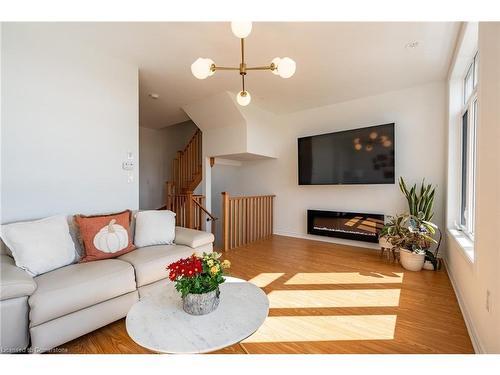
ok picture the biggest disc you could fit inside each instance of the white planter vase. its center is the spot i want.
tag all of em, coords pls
(411, 261)
(201, 304)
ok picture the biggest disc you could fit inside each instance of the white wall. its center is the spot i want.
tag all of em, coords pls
(473, 278)
(219, 118)
(151, 168)
(70, 115)
(419, 114)
(157, 149)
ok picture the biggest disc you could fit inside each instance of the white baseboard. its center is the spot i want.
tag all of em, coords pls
(340, 241)
(476, 342)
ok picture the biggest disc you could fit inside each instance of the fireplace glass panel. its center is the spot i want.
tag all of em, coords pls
(349, 225)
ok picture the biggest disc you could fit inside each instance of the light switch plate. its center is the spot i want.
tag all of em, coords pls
(128, 165)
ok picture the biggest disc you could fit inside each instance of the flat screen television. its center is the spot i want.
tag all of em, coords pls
(358, 156)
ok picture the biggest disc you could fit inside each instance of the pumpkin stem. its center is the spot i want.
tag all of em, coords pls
(110, 226)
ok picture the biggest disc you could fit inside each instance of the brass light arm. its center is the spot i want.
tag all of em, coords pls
(268, 67)
(215, 67)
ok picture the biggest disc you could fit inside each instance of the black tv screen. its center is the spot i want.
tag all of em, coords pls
(359, 156)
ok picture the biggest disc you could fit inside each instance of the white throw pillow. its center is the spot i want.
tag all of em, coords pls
(40, 246)
(154, 228)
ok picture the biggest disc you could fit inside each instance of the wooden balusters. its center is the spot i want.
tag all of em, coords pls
(187, 165)
(186, 176)
(189, 209)
(190, 163)
(246, 219)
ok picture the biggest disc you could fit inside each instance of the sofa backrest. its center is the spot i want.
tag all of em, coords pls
(73, 230)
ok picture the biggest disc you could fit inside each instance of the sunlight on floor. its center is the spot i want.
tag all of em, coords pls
(325, 328)
(333, 298)
(264, 279)
(345, 278)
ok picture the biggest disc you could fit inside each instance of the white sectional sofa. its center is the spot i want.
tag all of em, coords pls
(43, 312)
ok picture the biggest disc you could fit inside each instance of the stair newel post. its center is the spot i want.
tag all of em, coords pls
(168, 195)
(189, 210)
(225, 220)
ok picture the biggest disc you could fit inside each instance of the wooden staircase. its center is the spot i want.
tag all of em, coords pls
(186, 176)
(186, 167)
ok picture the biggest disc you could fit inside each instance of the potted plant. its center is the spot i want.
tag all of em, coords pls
(197, 279)
(421, 202)
(410, 234)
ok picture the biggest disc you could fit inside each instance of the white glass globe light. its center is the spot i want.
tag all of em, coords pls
(243, 98)
(202, 68)
(286, 67)
(276, 62)
(241, 29)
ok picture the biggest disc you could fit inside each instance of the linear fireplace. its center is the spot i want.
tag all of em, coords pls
(349, 225)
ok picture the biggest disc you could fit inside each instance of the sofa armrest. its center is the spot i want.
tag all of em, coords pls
(14, 281)
(192, 237)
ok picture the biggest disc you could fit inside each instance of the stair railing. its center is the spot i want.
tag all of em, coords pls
(186, 167)
(189, 208)
(246, 219)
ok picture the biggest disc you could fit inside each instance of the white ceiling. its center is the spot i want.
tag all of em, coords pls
(336, 61)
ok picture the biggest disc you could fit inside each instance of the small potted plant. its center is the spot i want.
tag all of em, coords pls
(411, 234)
(197, 279)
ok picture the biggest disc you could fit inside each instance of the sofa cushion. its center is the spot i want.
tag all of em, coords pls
(40, 246)
(154, 227)
(78, 286)
(105, 236)
(150, 262)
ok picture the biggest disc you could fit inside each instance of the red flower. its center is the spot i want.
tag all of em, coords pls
(187, 267)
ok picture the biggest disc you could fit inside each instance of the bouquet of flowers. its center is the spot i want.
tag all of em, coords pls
(198, 274)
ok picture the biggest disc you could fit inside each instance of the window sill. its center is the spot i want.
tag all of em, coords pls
(464, 243)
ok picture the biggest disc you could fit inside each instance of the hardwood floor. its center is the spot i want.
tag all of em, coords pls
(328, 298)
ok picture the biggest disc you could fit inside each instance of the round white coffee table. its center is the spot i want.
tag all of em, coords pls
(158, 322)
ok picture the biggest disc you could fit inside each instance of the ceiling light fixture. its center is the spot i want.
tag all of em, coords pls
(203, 67)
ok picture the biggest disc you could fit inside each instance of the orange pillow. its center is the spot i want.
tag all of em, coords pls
(105, 236)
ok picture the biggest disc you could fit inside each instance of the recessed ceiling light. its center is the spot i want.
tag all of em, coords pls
(154, 96)
(412, 45)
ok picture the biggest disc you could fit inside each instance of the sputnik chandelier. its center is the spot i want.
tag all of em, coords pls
(203, 68)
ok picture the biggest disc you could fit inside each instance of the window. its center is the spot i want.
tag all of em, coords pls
(468, 150)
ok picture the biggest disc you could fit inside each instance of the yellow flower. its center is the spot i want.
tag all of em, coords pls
(210, 263)
(214, 270)
(226, 264)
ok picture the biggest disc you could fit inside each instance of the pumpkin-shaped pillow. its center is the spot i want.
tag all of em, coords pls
(105, 236)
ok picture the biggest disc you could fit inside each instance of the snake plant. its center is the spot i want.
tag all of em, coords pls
(420, 201)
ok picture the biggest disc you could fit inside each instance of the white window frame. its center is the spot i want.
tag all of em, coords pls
(470, 107)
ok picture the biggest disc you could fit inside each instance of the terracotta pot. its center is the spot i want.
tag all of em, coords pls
(410, 260)
(201, 304)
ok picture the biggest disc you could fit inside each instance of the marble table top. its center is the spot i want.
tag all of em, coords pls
(158, 323)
